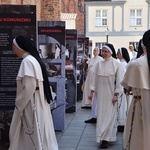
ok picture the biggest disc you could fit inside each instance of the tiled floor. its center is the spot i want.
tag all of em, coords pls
(81, 136)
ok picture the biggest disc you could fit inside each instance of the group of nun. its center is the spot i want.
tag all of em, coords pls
(32, 124)
(119, 91)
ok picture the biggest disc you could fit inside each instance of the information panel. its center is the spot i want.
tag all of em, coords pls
(14, 20)
(51, 43)
(70, 68)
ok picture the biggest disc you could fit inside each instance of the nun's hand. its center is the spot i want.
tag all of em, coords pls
(115, 99)
(91, 95)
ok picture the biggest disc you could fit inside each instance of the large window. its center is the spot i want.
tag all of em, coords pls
(135, 17)
(101, 17)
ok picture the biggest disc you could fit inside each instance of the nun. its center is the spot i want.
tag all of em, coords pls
(123, 104)
(32, 125)
(137, 80)
(106, 84)
(86, 103)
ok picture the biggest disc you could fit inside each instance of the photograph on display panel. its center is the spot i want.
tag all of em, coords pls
(50, 50)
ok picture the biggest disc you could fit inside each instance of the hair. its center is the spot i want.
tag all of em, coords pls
(125, 54)
(146, 43)
(140, 49)
(28, 45)
(113, 50)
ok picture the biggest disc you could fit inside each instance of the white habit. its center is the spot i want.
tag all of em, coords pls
(32, 126)
(89, 78)
(122, 104)
(137, 77)
(106, 82)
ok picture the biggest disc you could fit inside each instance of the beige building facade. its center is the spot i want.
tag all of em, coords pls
(120, 22)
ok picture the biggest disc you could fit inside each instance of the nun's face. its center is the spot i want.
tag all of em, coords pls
(105, 53)
(95, 52)
(119, 56)
(131, 48)
(17, 51)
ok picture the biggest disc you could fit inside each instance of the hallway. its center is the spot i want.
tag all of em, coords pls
(81, 136)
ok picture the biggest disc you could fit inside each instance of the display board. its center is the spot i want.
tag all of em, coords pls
(90, 48)
(70, 68)
(51, 46)
(80, 62)
(86, 51)
(14, 20)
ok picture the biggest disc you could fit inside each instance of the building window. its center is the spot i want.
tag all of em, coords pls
(99, 45)
(135, 17)
(101, 17)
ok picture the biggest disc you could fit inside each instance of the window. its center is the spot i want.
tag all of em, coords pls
(101, 17)
(99, 45)
(135, 17)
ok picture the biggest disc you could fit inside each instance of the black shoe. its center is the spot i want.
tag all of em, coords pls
(92, 120)
(104, 145)
(70, 109)
(120, 129)
(86, 107)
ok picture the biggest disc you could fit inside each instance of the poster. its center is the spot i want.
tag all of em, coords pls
(51, 46)
(14, 20)
(90, 48)
(86, 56)
(80, 71)
(86, 51)
(70, 68)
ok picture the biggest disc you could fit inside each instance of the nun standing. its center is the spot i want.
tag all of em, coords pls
(123, 56)
(137, 79)
(32, 126)
(106, 83)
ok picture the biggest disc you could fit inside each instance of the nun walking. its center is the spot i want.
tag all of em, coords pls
(123, 104)
(106, 83)
(32, 125)
(85, 100)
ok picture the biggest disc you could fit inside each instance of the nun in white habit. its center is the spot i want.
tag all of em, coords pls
(106, 84)
(137, 79)
(123, 56)
(32, 125)
(85, 100)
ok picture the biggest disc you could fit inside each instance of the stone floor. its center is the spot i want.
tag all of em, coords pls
(81, 136)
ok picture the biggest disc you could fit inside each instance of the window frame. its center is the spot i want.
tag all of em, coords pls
(99, 44)
(135, 19)
(101, 17)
